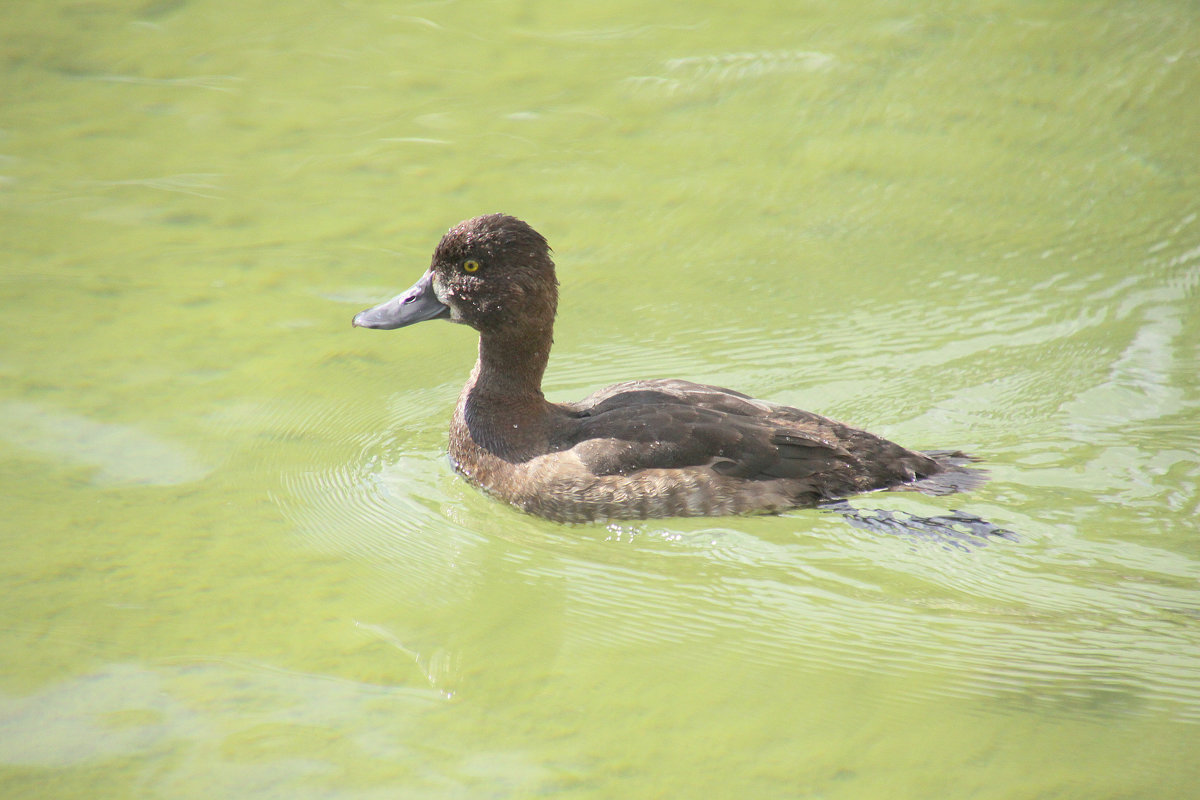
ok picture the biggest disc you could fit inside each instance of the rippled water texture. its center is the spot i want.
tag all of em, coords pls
(236, 560)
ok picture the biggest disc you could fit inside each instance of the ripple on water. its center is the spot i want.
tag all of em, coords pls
(378, 489)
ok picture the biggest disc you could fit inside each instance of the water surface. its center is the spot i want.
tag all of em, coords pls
(237, 563)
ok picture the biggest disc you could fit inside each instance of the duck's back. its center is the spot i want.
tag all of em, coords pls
(672, 424)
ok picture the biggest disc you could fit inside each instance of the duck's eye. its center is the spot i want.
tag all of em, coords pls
(470, 265)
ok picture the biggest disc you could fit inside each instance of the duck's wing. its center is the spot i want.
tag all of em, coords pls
(676, 425)
(715, 398)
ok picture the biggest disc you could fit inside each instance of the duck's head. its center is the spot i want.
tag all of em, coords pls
(492, 272)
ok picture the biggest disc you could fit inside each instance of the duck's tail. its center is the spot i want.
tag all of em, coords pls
(956, 475)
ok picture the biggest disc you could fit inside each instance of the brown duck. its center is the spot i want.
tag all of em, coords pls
(652, 448)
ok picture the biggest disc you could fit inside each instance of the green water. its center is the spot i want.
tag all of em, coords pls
(236, 561)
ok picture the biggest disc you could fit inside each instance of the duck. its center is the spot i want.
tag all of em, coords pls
(634, 450)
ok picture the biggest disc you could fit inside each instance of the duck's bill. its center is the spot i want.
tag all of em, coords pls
(418, 304)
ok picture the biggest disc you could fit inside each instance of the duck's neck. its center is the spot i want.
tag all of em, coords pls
(502, 406)
(511, 367)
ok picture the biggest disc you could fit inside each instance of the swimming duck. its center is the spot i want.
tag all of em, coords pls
(649, 448)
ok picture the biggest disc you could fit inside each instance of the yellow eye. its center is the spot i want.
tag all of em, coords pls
(471, 265)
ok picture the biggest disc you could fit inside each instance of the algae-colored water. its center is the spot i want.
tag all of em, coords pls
(237, 564)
